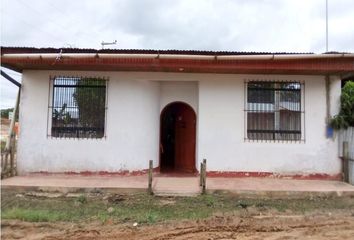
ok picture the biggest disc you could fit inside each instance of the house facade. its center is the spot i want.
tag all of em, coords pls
(111, 111)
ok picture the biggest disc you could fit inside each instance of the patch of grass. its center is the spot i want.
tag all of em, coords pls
(152, 217)
(82, 199)
(147, 209)
(33, 215)
(209, 200)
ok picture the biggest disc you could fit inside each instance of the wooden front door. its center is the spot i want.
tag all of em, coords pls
(178, 138)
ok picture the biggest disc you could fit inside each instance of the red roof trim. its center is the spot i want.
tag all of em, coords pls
(322, 65)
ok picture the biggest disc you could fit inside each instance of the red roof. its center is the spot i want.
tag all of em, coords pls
(22, 58)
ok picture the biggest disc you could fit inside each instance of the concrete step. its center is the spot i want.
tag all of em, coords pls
(176, 194)
(176, 186)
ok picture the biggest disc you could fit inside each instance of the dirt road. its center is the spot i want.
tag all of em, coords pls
(285, 226)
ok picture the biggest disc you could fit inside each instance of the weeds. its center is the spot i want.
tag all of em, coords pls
(144, 208)
(209, 200)
(151, 217)
(32, 215)
(82, 199)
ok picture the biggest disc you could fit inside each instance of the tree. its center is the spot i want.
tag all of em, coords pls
(61, 115)
(345, 118)
(5, 112)
(90, 97)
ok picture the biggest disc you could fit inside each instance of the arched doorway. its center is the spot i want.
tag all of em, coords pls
(177, 138)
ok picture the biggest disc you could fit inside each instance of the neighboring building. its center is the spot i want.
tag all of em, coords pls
(11, 114)
(4, 130)
(111, 111)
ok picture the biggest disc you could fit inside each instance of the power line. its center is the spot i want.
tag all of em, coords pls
(63, 15)
(32, 25)
(41, 14)
(77, 36)
(54, 7)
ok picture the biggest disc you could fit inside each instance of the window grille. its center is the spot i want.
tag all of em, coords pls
(78, 107)
(274, 111)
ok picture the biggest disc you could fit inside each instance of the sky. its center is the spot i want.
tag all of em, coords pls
(230, 25)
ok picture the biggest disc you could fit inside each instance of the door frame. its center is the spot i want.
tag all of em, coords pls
(160, 132)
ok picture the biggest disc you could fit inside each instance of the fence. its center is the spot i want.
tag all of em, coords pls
(8, 160)
(8, 154)
(347, 135)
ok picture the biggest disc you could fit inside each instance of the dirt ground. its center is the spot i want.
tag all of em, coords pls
(337, 225)
(53, 216)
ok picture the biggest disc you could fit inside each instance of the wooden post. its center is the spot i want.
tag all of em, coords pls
(13, 121)
(150, 177)
(204, 176)
(12, 155)
(4, 164)
(345, 161)
(10, 149)
(201, 175)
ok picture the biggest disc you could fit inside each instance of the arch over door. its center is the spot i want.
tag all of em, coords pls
(177, 138)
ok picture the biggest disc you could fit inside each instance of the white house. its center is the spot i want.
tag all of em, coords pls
(111, 111)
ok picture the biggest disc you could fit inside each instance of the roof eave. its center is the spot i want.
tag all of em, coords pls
(317, 64)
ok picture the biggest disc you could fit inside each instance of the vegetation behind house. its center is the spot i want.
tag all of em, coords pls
(345, 118)
(5, 112)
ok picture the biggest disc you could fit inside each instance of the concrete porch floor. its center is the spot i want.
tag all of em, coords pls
(181, 186)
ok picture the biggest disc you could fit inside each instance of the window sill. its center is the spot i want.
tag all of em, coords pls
(275, 141)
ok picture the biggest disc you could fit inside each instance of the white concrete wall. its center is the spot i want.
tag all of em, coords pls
(335, 90)
(132, 128)
(221, 131)
(180, 91)
(135, 101)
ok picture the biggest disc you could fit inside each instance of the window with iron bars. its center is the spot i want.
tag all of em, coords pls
(274, 111)
(78, 107)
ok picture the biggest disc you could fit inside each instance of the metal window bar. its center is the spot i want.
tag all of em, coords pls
(78, 107)
(274, 111)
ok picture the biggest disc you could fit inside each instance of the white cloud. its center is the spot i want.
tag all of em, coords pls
(243, 25)
(237, 25)
(8, 91)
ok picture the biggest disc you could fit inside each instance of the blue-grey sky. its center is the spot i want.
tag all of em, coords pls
(237, 25)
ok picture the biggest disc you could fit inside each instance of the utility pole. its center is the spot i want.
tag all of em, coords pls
(326, 25)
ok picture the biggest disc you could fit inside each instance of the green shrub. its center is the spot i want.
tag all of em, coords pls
(345, 118)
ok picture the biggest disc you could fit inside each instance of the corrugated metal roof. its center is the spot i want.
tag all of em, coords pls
(134, 51)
